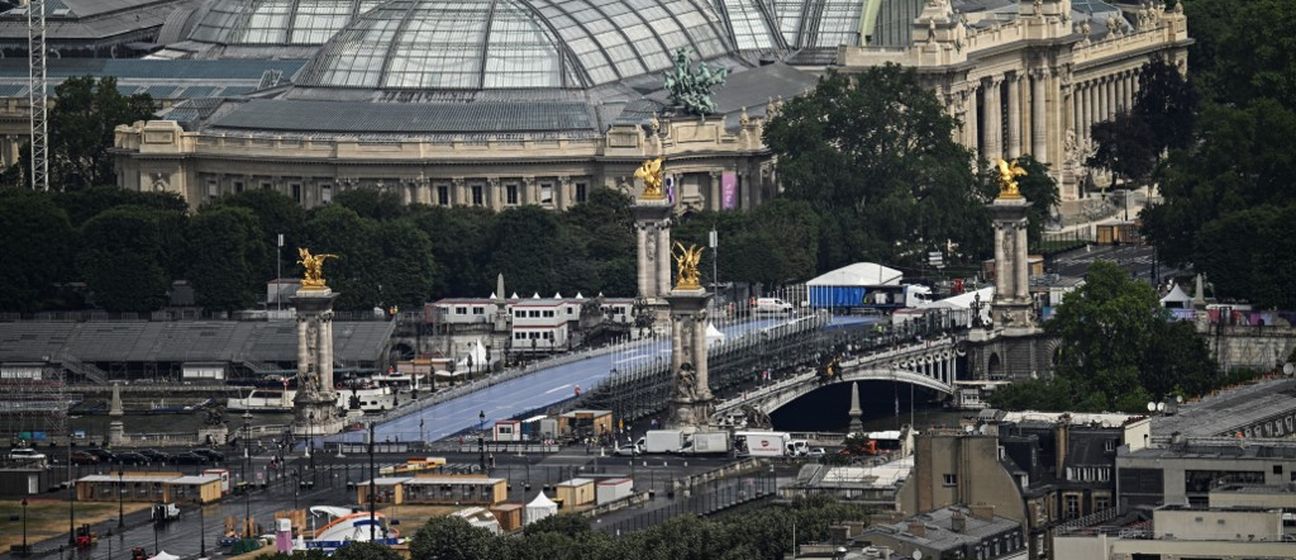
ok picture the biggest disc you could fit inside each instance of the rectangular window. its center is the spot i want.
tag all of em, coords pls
(461, 311)
(951, 479)
(478, 310)
(1101, 503)
(1277, 469)
(326, 193)
(582, 192)
(1072, 506)
(238, 186)
(265, 185)
(478, 197)
(511, 193)
(1109, 445)
(296, 192)
(546, 193)
(443, 195)
(212, 190)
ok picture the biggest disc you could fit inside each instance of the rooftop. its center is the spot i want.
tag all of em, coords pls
(937, 532)
(1226, 412)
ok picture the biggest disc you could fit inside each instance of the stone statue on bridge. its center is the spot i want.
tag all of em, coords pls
(686, 383)
(755, 417)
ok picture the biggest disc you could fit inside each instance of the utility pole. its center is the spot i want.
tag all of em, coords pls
(372, 485)
(279, 274)
(36, 92)
(71, 493)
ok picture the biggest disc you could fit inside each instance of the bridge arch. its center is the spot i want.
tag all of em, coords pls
(894, 375)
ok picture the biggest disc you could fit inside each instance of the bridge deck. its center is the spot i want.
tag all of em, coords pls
(542, 388)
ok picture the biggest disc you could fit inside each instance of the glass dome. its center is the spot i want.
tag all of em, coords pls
(483, 44)
(275, 22)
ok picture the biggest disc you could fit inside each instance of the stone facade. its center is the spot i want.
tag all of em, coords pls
(1033, 84)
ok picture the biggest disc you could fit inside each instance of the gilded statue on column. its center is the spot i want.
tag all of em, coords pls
(313, 265)
(686, 261)
(1008, 174)
(651, 173)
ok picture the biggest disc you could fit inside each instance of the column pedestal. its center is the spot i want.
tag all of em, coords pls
(652, 230)
(315, 409)
(1012, 309)
(691, 401)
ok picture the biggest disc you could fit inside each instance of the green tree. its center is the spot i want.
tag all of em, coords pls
(1127, 147)
(452, 538)
(460, 239)
(605, 225)
(123, 258)
(37, 243)
(568, 524)
(81, 127)
(276, 213)
(1167, 103)
(874, 155)
(404, 267)
(372, 203)
(230, 257)
(528, 245)
(1242, 50)
(1118, 350)
(339, 230)
(1040, 190)
(366, 551)
(81, 205)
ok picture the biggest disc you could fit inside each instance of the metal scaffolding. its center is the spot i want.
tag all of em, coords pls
(37, 95)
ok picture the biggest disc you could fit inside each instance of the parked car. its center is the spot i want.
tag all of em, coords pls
(84, 458)
(627, 450)
(131, 458)
(26, 454)
(153, 455)
(211, 454)
(104, 455)
(187, 458)
(816, 452)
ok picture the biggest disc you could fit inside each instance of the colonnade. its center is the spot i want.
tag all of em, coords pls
(1025, 112)
(1100, 99)
(941, 367)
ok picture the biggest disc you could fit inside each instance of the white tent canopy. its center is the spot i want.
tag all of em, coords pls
(859, 274)
(540, 508)
(963, 302)
(1176, 299)
(713, 335)
(164, 555)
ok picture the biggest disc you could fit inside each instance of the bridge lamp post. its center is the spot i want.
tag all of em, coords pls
(481, 439)
(487, 366)
(121, 489)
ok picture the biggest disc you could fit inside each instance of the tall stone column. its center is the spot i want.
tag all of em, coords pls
(715, 203)
(315, 410)
(993, 148)
(972, 139)
(691, 402)
(652, 224)
(645, 274)
(1014, 116)
(1082, 129)
(1111, 98)
(1011, 308)
(1039, 116)
(663, 256)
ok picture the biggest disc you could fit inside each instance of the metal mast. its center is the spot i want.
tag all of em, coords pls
(37, 95)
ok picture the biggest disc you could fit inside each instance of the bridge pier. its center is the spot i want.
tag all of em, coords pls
(692, 402)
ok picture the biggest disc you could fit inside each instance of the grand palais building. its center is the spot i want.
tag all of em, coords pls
(507, 102)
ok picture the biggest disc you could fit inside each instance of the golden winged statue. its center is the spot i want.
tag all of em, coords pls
(651, 173)
(1008, 174)
(313, 279)
(687, 260)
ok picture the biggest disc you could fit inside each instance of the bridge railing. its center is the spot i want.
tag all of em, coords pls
(896, 353)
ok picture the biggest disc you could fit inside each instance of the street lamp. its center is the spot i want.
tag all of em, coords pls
(487, 365)
(202, 531)
(24, 515)
(121, 491)
(481, 439)
(470, 367)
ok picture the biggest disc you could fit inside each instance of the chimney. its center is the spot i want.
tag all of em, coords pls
(958, 523)
(984, 512)
(1061, 444)
(917, 529)
(838, 534)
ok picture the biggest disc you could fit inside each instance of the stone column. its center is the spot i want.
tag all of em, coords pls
(1014, 116)
(972, 138)
(491, 198)
(700, 349)
(1101, 98)
(691, 398)
(646, 273)
(1039, 116)
(326, 351)
(1111, 98)
(663, 256)
(1022, 265)
(1082, 129)
(457, 192)
(529, 194)
(1011, 306)
(715, 203)
(993, 148)
(1122, 92)
(315, 405)
(1002, 277)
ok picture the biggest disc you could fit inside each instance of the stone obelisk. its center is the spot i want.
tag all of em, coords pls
(691, 402)
(856, 413)
(315, 409)
(652, 211)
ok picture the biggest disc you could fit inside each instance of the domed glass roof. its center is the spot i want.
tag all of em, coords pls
(275, 22)
(482, 44)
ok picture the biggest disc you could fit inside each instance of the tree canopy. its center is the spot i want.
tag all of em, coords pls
(873, 154)
(1117, 350)
(81, 127)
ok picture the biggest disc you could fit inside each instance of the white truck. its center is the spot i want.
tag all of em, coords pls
(662, 441)
(769, 444)
(703, 443)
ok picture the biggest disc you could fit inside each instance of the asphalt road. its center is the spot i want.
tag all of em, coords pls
(1136, 259)
(540, 389)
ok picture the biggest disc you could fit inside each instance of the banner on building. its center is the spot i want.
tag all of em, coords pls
(729, 188)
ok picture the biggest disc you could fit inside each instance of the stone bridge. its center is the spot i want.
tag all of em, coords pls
(929, 364)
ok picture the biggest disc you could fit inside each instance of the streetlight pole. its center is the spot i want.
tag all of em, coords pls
(24, 514)
(71, 494)
(202, 531)
(481, 439)
(373, 486)
(121, 489)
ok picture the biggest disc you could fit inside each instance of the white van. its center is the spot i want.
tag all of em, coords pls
(772, 305)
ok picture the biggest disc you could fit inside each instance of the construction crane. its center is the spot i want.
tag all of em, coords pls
(36, 93)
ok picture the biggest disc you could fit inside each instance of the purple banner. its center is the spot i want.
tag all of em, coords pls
(729, 187)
